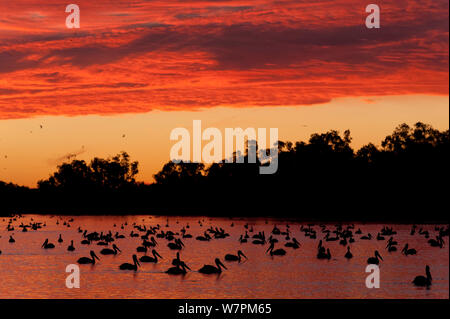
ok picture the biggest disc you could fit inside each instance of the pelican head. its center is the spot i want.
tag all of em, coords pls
(240, 253)
(272, 245)
(136, 261)
(219, 263)
(184, 265)
(427, 271)
(116, 248)
(377, 254)
(155, 253)
(93, 255)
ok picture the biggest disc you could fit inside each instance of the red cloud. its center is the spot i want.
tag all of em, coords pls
(136, 56)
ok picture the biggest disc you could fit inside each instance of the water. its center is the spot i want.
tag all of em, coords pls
(28, 271)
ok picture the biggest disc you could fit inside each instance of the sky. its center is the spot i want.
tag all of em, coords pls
(141, 68)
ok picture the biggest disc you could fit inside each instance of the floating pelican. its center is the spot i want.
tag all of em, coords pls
(11, 239)
(368, 237)
(87, 260)
(422, 281)
(277, 252)
(180, 269)
(375, 260)
(108, 251)
(410, 251)
(134, 266)
(209, 269)
(348, 254)
(148, 259)
(60, 240)
(230, 257)
(71, 247)
(322, 255)
(177, 245)
(47, 245)
(294, 244)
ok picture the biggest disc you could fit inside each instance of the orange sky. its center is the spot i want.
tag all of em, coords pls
(282, 64)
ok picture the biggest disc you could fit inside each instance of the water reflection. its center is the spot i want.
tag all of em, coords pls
(29, 271)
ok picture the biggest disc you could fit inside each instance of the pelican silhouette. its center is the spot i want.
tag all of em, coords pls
(11, 239)
(108, 251)
(422, 281)
(47, 245)
(134, 266)
(180, 269)
(60, 240)
(322, 255)
(87, 260)
(375, 260)
(368, 237)
(177, 245)
(294, 244)
(209, 269)
(348, 254)
(230, 257)
(71, 247)
(276, 252)
(148, 259)
(410, 251)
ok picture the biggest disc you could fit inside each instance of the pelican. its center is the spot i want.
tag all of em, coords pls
(71, 247)
(47, 245)
(277, 252)
(134, 266)
(177, 245)
(368, 237)
(375, 260)
(410, 251)
(141, 249)
(422, 281)
(176, 261)
(294, 244)
(107, 251)
(209, 269)
(11, 239)
(322, 255)
(230, 257)
(180, 269)
(87, 260)
(348, 254)
(60, 240)
(148, 259)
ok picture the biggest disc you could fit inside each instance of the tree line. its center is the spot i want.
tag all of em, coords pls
(323, 178)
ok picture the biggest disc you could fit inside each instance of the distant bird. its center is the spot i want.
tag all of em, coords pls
(209, 269)
(134, 266)
(408, 251)
(47, 245)
(60, 240)
(180, 269)
(375, 260)
(11, 239)
(276, 252)
(230, 257)
(148, 259)
(87, 260)
(108, 251)
(348, 254)
(422, 281)
(71, 247)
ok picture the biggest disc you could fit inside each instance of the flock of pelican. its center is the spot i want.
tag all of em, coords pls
(345, 235)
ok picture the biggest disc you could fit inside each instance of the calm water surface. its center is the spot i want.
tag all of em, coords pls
(28, 271)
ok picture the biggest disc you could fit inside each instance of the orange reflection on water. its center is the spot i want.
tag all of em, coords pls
(28, 271)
